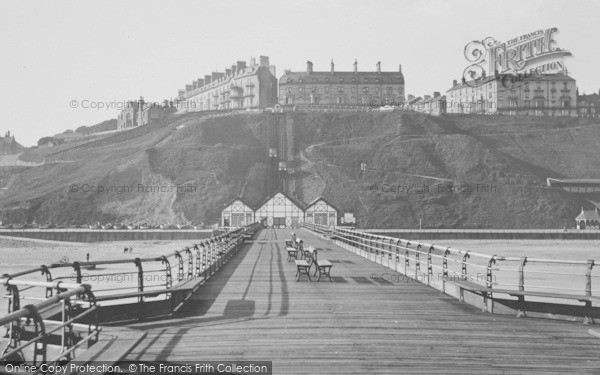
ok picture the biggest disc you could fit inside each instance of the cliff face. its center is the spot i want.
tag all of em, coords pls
(186, 171)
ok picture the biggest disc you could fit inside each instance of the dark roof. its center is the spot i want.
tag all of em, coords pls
(293, 200)
(346, 77)
(321, 198)
(508, 77)
(241, 200)
(588, 215)
(590, 98)
(415, 100)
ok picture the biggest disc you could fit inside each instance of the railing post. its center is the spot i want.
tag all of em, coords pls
(190, 267)
(521, 300)
(406, 259)
(398, 244)
(445, 263)
(138, 264)
(169, 276)
(429, 263)
(46, 272)
(77, 269)
(180, 266)
(40, 329)
(588, 319)
(417, 261)
(588, 278)
(463, 271)
(197, 269)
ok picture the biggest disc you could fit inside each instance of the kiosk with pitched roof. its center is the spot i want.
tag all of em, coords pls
(321, 212)
(588, 219)
(237, 214)
(280, 211)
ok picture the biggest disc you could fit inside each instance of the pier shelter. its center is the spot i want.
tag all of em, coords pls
(321, 212)
(237, 214)
(280, 211)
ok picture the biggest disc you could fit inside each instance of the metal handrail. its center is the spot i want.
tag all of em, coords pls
(420, 256)
(196, 262)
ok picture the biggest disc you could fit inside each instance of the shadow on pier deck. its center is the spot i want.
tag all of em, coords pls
(254, 309)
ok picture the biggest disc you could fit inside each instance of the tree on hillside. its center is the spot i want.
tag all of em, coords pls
(45, 140)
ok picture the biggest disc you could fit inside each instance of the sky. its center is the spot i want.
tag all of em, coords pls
(57, 57)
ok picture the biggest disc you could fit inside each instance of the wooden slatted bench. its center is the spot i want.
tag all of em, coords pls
(303, 268)
(322, 267)
(486, 292)
(295, 250)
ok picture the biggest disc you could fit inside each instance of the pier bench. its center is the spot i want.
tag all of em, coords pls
(322, 266)
(486, 292)
(295, 250)
(302, 268)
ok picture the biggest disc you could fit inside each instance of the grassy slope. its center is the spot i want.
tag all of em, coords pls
(222, 158)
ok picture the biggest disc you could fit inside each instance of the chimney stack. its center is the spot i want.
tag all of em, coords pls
(233, 70)
(378, 66)
(188, 88)
(436, 94)
(180, 93)
(207, 80)
(194, 85)
(200, 82)
(332, 67)
(454, 83)
(400, 68)
(309, 67)
(355, 66)
(227, 71)
(264, 61)
(241, 65)
(273, 71)
(252, 61)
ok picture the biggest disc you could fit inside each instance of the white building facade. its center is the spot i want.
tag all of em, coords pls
(237, 214)
(279, 211)
(321, 212)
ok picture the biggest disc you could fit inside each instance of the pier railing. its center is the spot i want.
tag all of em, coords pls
(66, 314)
(29, 333)
(537, 280)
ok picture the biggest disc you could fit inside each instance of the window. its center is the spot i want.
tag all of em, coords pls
(300, 90)
(376, 90)
(314, 89)
(340, 100)
(300, 80)
(326, 90)
(288, 90)
(390, 90)
(353, 90)
(527, 103)
(340, 89)
(366, 90)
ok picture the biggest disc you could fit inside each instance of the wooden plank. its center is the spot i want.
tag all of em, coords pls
(113, 346)
(367, 321)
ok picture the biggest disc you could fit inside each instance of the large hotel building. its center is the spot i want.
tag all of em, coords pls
(239, 87)
(333, 87)
(539, 95)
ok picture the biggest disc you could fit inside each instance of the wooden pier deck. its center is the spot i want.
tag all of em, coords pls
(253, 309)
